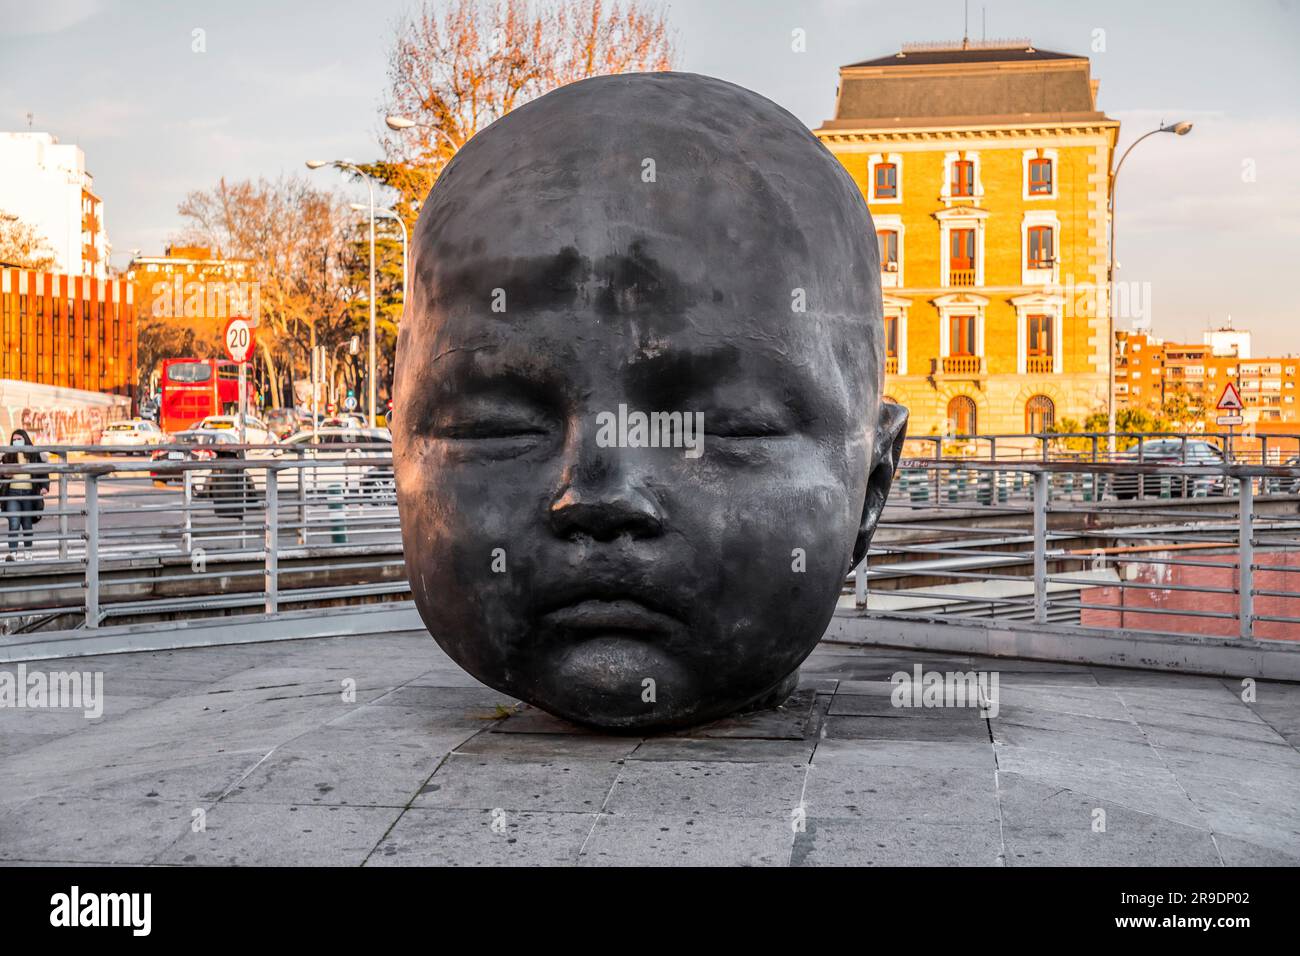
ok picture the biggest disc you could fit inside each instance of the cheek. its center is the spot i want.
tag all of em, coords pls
(780, 534)
(468, 529)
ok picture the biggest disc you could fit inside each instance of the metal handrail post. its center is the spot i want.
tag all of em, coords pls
(860, 584)
(92, 550)
(187, 484)
(1041, 489)
(996, 477)
(1246, 559)
(301, 484)
(63, 512)
(271, 580)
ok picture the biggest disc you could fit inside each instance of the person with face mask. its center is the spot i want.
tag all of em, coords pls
(20, 494)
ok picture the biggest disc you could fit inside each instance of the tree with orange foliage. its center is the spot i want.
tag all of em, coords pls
(457, 68)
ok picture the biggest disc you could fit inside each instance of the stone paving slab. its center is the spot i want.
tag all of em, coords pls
(688, 840)
(519, 784)
(840, 842)
(431, 837)
(377, 750)
(256, 834)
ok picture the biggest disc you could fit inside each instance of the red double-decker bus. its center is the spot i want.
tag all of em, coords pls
(194, 388)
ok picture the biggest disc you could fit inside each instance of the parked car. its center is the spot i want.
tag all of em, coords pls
(134, 435)
(201, 445)
(1170, 451)
(283, 422)
(256, 431)
(337, 449)
(343, 420)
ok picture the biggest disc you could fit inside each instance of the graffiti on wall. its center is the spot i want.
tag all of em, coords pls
(60, 426)
(58, 416)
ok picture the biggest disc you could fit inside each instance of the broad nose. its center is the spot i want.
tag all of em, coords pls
(600, 497)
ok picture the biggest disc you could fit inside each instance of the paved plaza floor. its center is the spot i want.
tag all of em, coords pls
(256, 754)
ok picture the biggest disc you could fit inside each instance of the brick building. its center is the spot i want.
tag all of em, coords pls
(986, 169)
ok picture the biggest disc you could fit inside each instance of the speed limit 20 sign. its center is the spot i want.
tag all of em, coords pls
(239, 339)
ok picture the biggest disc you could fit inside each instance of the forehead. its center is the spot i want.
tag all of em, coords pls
(637, 216)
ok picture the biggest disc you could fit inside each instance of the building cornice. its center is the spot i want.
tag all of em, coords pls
(935, 134)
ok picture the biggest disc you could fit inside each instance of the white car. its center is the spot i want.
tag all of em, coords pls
(345, 420)
(256, 431)
(341, 469)
(134, 433)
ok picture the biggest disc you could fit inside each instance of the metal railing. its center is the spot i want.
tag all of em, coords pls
(1272, 448)
(123, 540)
(1164, 550)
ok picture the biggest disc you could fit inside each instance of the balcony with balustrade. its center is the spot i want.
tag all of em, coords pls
(961, 278)
(959, 367)
(1039, 365)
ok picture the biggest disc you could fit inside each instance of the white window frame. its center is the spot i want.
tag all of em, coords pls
(1028, 276)
(874, 160)
(1024, 175)
(897, 307)
(960, 217)
(1036, 303)
(960, 304)
(892, 223)
(948, 159)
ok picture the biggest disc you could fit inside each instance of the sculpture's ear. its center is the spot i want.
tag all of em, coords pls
(891, 432)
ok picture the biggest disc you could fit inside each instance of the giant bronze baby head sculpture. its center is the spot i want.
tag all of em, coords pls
(640, 440)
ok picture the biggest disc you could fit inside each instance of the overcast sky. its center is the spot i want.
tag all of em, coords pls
(282, 82)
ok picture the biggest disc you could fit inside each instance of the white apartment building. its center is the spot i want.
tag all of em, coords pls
(45, 183)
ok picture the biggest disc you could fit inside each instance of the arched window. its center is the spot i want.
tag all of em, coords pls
(1040, 414)
(961, 413)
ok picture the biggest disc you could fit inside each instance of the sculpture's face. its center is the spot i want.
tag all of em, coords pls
(555, 556)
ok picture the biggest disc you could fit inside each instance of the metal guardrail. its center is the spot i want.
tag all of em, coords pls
(1240, 447)
(1164, 550)
(129, 539)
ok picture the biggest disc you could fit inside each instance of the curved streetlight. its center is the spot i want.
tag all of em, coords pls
(401, 123)
(345, 164)
(1178, 129)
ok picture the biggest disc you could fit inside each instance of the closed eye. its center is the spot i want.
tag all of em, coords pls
(742, 426)
(486, 430)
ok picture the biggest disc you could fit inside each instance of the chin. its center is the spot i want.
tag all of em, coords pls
(616, 681)
(621, 683)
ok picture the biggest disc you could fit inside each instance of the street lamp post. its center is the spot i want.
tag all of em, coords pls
(406, 277)
(390, 214)
(1178, 129)
(344, 164)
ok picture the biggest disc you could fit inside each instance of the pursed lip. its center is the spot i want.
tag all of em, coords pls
(603, 604)
(611, 614)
